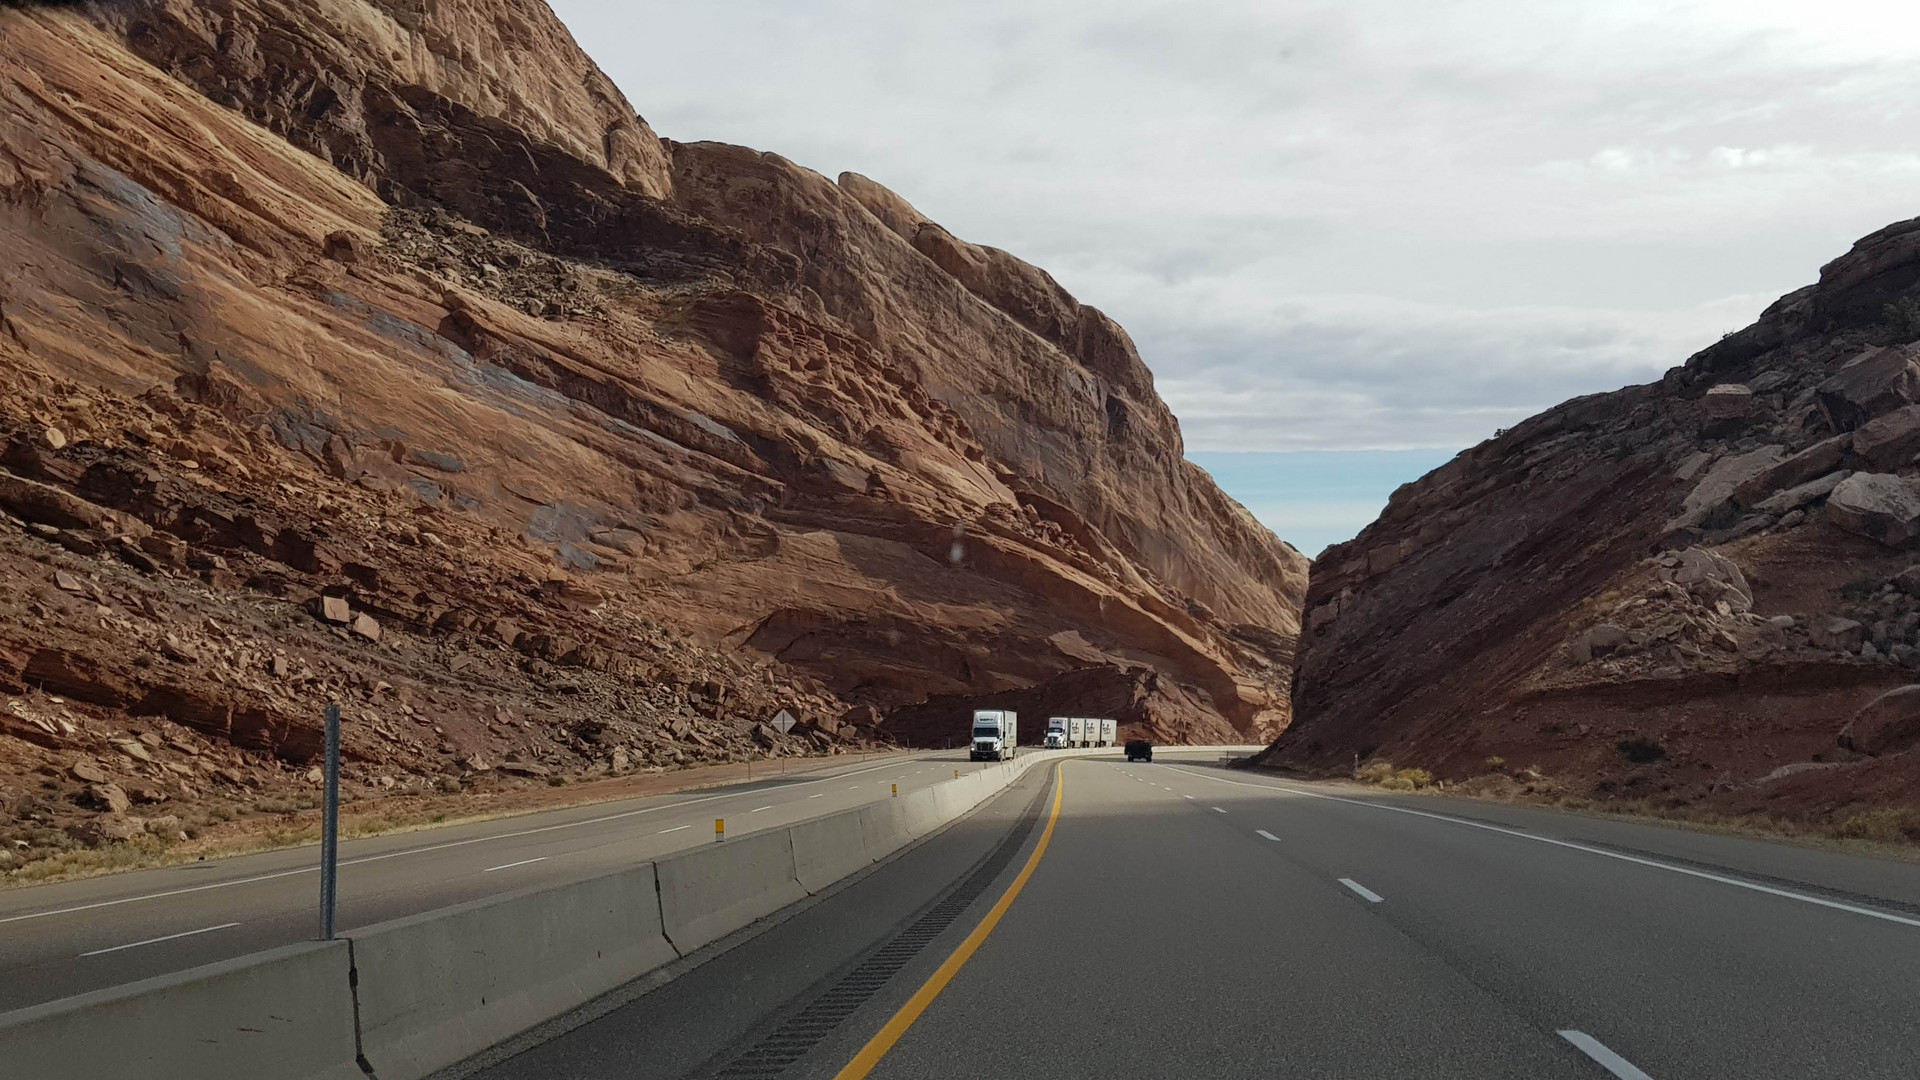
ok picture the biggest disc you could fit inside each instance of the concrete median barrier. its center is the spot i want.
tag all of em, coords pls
(830, 848)
(711, 891)
(883, 827)
(921, 810)
(436, 988)
(285, 1013)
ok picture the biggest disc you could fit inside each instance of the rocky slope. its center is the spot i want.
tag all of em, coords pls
(1679, 592)
(379, 352)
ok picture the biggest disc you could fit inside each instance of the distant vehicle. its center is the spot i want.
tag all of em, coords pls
(1076, 731)
(1109, 732)
(995, 734)
(1057, 731)
(1139, 750)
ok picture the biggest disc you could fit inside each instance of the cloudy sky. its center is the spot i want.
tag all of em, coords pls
(1371, 225)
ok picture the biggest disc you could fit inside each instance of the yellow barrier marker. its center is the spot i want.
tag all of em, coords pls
(896, 791)
(719, 829)
(870, 1054)
(956, 774)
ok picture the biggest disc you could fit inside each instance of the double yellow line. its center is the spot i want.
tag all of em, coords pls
(877, 1047)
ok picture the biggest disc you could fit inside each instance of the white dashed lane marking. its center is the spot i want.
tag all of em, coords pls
(1362, 891)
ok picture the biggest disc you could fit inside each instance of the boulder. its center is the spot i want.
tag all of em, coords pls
(1892, 440)
(333, 609)
(1598, 641)
(1726, 408)
(1712, 578)
(1875, 383)
(109, 797)
(1796, 497)
(1836, 633)
(1888, 724)
(1817, 460)
(89, 770)
(366, 626)
(1716, 488)
(1880, 506)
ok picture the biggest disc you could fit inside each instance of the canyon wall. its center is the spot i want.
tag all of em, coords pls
(380, 352)
(1680, 592)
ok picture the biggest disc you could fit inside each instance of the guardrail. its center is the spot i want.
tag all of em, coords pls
(403, 999)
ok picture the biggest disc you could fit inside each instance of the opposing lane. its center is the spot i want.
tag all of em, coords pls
(68, 938)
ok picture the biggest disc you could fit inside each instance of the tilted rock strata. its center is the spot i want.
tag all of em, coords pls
(398, 308)
(1673, 591)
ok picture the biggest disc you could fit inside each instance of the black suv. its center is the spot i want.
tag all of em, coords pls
(1139, 750)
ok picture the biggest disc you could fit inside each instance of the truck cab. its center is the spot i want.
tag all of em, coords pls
(1056, 733)
(994, 735)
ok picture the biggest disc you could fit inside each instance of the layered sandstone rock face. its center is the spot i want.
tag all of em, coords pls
(1679, 592)
(378, 351)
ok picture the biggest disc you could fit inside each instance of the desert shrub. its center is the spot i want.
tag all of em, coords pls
(1496, 764)
(1641, 751)
(1373, 772)
(1888, 826)
(1418, 778)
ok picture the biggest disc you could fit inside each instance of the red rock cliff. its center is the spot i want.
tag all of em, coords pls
(1681, 592)
(618, 445)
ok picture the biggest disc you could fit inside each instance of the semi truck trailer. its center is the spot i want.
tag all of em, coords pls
(1057, 732)
(995, 734)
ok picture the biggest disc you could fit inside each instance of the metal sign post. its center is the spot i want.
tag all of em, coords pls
(330, 826)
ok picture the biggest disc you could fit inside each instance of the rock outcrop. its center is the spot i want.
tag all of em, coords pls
(378, 352)
(1675, 592)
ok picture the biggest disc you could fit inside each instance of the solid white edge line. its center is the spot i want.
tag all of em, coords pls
(157, 940)
(1364, 893)
(511, 865)
(1606, 1058)
(1836, 905)
(256, 879)
(1267, 834)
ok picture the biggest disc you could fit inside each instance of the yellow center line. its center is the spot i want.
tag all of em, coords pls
(876, 1048)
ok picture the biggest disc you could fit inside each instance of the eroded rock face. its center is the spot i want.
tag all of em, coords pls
(1707, 570)
(379, 351)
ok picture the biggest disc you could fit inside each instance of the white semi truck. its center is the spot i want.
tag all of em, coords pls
(1076, 731)
(1057, 732)
(1109, 729)
(995, 734)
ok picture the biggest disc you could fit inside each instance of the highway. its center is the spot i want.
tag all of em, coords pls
(1180, 919)
(69, 938)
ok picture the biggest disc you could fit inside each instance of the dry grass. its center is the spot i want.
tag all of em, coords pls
(1888, 833)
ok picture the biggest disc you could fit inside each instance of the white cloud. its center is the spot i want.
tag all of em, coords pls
(1338, 224)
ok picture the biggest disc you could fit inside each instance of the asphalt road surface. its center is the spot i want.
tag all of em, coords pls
(69, 938)
(1180, 920)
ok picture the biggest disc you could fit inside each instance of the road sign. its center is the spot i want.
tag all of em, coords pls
(784, 722)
